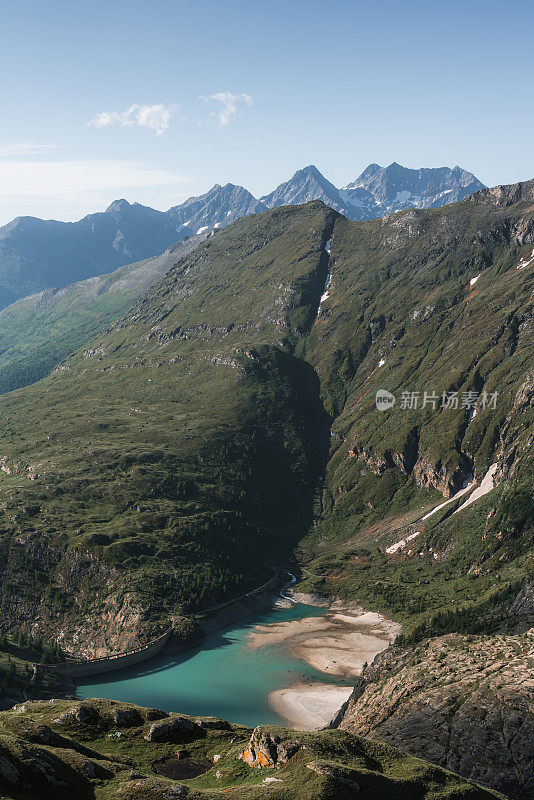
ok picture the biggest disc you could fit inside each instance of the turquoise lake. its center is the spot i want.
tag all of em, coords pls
(224, 677)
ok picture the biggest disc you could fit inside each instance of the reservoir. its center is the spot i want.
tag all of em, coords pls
(223, 677)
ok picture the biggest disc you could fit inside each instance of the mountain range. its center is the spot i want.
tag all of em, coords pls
(38, 331)
(40, 254)
(209, 413)
(228, 421)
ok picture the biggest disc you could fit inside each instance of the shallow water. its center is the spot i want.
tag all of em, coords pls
(224, 677)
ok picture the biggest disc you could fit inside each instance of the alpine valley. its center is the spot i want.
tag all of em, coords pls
(192, 412)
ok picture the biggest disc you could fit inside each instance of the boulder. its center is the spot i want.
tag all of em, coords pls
(173, 730)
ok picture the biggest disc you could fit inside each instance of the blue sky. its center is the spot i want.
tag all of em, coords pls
(156, 101)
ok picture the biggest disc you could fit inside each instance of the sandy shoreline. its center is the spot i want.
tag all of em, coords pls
(309, 706)
(338, 644)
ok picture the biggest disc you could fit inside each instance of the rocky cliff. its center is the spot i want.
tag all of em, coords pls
(463, 702)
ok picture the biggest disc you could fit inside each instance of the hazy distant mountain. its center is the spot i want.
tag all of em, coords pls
(38, 331)
(217, 208)
(395, 188)
(305, 185)
(40, 254)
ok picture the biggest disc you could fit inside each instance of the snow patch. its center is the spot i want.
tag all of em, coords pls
(526, 262)
(446, 503)
(486, 485)
(472, 414)
(201, 230)
(474, 280)
(403, 542)
(328, 245)
(326, 291)
(381, 362)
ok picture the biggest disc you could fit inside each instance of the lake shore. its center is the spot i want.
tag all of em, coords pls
(337, 643)
(309, 705)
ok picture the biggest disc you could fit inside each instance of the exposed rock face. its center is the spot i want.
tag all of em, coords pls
(447, 479)
(177, 729)
(127, 717)
(395, 187)
(463, 702)
(506, 195)
(308, 184)
(266, 750)
(523, 606)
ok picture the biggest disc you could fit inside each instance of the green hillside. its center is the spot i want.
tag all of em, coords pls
(41, 330)
(168, 464)
(403, 315)
(223, 424)
(100, 750)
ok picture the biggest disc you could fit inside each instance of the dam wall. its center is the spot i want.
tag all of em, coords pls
(79, 669)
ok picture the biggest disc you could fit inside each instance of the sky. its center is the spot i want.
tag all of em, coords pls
(157, 101)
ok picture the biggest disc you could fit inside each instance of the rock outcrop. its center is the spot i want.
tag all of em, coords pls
(267, 750)
(463, 702)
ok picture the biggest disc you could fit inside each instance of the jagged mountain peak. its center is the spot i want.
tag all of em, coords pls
(307, 184)
(217, 208)
(396, 187)
(118, 206)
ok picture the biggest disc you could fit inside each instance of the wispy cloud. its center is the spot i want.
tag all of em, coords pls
(156, 118)
(69, 189)
(26, 148)
(67, 178)
(228, 105)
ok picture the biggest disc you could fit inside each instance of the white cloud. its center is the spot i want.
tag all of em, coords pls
(229, 105)
(68, 189)
(157, 118)
(25, 148)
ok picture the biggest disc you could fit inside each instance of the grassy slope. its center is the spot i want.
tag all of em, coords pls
(99, 759)
(401, 292)
(175, 458)
(39, 331)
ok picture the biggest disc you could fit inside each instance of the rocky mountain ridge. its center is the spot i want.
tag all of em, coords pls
(395, 188)
(38, 254)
